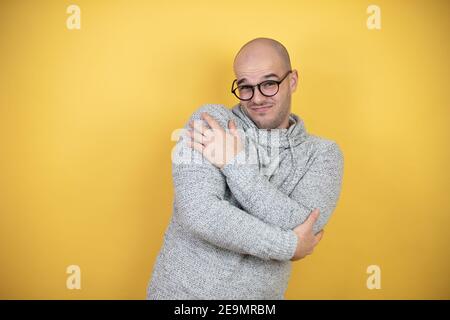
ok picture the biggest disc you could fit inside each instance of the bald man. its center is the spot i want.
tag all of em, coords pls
(253, 190)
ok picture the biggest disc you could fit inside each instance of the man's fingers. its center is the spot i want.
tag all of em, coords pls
(318, 237)
(201, 128)
(197, 146)
(313, 216)
(211, 121)
(232, 127)
(197, 136)
(198, 125)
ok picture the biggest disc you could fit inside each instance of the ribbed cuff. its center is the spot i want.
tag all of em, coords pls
(284, 246)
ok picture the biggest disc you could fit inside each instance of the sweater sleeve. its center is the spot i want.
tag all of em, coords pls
(201, 208)
(318, 188)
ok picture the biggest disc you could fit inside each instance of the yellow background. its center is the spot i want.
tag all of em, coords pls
(86, 118)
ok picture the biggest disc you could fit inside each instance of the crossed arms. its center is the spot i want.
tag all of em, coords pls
(265, 225)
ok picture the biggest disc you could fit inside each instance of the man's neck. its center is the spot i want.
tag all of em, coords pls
(285, 125)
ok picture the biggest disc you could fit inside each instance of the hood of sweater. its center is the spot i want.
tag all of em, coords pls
(271, 144)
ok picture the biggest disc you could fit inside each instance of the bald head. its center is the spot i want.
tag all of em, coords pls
(262, 48)
(264, 61)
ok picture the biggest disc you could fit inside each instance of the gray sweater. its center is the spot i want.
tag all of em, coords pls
(230, 235)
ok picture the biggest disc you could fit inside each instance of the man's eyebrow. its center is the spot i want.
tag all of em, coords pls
(270, 75)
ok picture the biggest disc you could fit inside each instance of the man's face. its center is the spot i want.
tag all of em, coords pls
(267, 112)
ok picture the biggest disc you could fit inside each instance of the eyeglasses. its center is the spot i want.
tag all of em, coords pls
(268, 88)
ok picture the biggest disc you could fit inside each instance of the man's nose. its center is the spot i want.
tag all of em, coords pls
(258, 96)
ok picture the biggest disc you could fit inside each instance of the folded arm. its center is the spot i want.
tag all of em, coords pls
(318, 188)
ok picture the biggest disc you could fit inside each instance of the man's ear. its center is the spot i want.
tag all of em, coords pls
(293, 82)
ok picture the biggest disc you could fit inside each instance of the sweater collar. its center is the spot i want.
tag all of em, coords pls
(287, 138)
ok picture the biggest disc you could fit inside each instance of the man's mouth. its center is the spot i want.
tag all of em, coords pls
(260, 109)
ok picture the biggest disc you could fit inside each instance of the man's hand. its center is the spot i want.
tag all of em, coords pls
(306, 239)
(217, 145)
